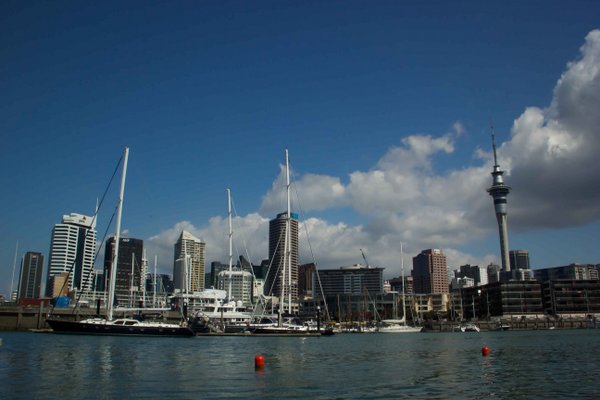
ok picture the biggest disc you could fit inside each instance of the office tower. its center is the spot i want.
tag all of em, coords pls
(129, 270)
(277, 232)
(30, 278)
(430, 273)
(519, 259)
(189, 245)
(499, 191)
(72, 250)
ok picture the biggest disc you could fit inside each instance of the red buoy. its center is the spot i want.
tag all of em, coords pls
(259, 362)
(485, 351)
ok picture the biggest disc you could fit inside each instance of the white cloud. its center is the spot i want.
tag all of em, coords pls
(313, 192)
(552, 152)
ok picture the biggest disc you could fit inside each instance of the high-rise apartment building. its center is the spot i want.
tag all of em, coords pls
(30, 279)
(189, 246)
(128, 289)
(277, 256)
(72, 250)
(430, 273)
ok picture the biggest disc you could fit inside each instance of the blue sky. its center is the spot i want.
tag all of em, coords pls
(385, 108)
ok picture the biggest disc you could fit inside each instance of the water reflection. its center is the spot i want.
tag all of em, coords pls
(521, 365)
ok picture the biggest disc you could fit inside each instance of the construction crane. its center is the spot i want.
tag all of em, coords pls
(364, 258)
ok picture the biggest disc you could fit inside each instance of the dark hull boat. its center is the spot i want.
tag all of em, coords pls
(121, 327)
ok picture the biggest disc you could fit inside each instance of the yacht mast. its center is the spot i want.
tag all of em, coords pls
(230, 243)
(154, 282)
(403, 296)
(288, 230)
(113, 266)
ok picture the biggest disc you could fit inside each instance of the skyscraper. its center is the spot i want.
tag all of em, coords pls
(128, 288)
(189, 245)
(72, 250)
(430, 273)
(277, 230)
(519, 259)
(30, 279)
(499, 191)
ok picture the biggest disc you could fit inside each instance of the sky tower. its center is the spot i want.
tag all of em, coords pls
(499, 191)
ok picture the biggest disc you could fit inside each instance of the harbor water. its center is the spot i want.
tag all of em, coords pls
(521, 365)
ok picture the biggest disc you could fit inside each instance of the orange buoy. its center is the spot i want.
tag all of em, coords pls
(259, 362)
(485, 351)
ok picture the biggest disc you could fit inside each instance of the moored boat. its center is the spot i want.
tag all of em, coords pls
(123, 326)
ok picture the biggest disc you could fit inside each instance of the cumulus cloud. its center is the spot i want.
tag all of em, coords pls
(552, 152)
(310, 192)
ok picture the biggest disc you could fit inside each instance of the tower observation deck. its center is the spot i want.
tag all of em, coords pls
(499, 192)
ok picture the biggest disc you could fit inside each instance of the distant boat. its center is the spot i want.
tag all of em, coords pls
(502, 327)
(469, 327)
(398, 325)
(122, 326)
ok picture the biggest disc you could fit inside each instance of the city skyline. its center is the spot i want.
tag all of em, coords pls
(385, 110)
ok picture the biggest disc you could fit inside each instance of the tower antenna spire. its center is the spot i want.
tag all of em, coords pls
(494, 144)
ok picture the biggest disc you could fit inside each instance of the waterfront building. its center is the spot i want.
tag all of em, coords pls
(571, 296)
(430, 304)
(568, 272)
(430, 273)
(277, 234)
(30, 277)
(128, 290)
(502, 298)
(72, 250)
(356, 280)
(499, 192)
(241, 285)
(189, 245)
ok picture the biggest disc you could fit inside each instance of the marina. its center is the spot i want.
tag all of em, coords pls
(520, 365)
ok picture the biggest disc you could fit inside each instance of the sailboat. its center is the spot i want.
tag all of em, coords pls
(119, 326)
(398, 325)
(289, 326)
(216, 309)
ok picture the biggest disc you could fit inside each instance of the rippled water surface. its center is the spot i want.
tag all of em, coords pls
(522, 365)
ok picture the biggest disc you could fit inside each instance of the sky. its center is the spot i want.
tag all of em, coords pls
(386, 109)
